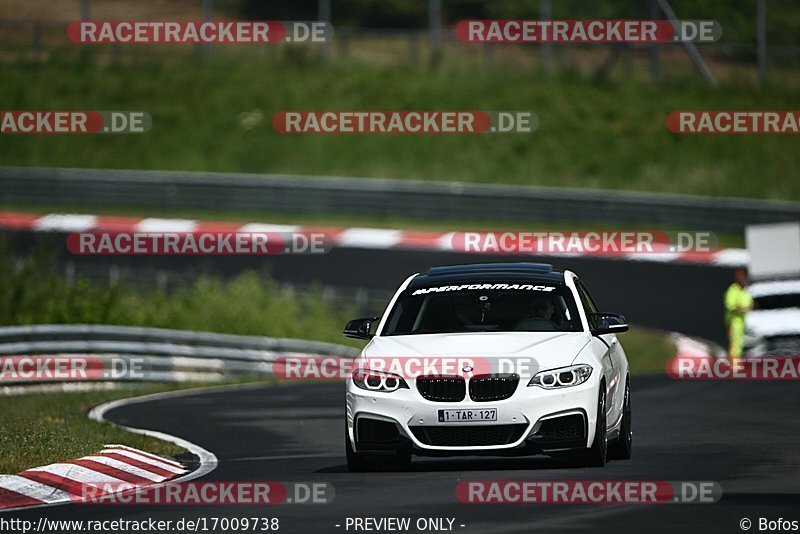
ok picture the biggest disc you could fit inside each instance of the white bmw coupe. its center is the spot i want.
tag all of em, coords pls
(494, 358)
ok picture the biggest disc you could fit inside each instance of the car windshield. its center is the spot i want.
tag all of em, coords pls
(776, 302)
(481, 308)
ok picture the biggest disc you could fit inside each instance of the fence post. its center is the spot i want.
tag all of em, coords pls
(343, 38)
(761, 37)
(413, 47)
(324, 15)
(435, 29)
(84, 16)
(691, 49)
(488, 54)
(546, 49)
(37, 40)
(208, 13)
(655, 48)
(627, 60)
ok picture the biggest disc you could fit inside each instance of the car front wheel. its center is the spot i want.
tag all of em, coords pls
(359, 462)
(356, 462)
(621, 449)
(595, 456)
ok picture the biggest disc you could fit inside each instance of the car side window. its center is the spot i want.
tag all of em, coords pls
(588, 304)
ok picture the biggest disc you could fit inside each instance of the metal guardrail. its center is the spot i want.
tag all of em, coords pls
(103, 188)
(159, 354)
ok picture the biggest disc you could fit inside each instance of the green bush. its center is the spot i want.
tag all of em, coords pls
(30, 293)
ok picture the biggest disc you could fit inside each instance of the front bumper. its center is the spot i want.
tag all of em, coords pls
(533, 420)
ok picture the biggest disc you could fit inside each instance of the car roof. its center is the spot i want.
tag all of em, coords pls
(479, 272)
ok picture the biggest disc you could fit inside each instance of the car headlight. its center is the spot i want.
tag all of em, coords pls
(378, 381)
(562, 377)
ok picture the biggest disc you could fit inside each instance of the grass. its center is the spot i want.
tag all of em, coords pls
(648, 350)
(608, 134)
(43, 428)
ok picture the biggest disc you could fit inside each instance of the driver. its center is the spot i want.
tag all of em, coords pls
(541, 308)
(540, 316)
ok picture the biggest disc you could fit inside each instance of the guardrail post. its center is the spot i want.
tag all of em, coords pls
(161, 281)
(69, 273)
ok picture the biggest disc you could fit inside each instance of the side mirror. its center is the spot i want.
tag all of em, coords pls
(359, 328)
(609, 323)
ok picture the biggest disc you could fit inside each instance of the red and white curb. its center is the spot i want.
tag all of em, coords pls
(689, 348)
(356, 237)
(50, 495)
(116, 466)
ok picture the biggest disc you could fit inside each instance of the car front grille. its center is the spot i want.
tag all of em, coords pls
(486, 388)
(468, 435)
(442, 389)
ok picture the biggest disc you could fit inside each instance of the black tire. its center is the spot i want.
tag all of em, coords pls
(595, 456)
(621, 449)
(360, 462)
(356, 462)
(398, 462)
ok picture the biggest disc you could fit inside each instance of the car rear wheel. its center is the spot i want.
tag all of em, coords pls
(621, 449)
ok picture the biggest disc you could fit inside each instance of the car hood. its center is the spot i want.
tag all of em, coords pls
(766, 323)
(547, 349)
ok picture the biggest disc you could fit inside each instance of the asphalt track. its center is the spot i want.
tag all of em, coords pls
(744, 435)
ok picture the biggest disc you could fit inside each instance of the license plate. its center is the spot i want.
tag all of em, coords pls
(462, 416)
